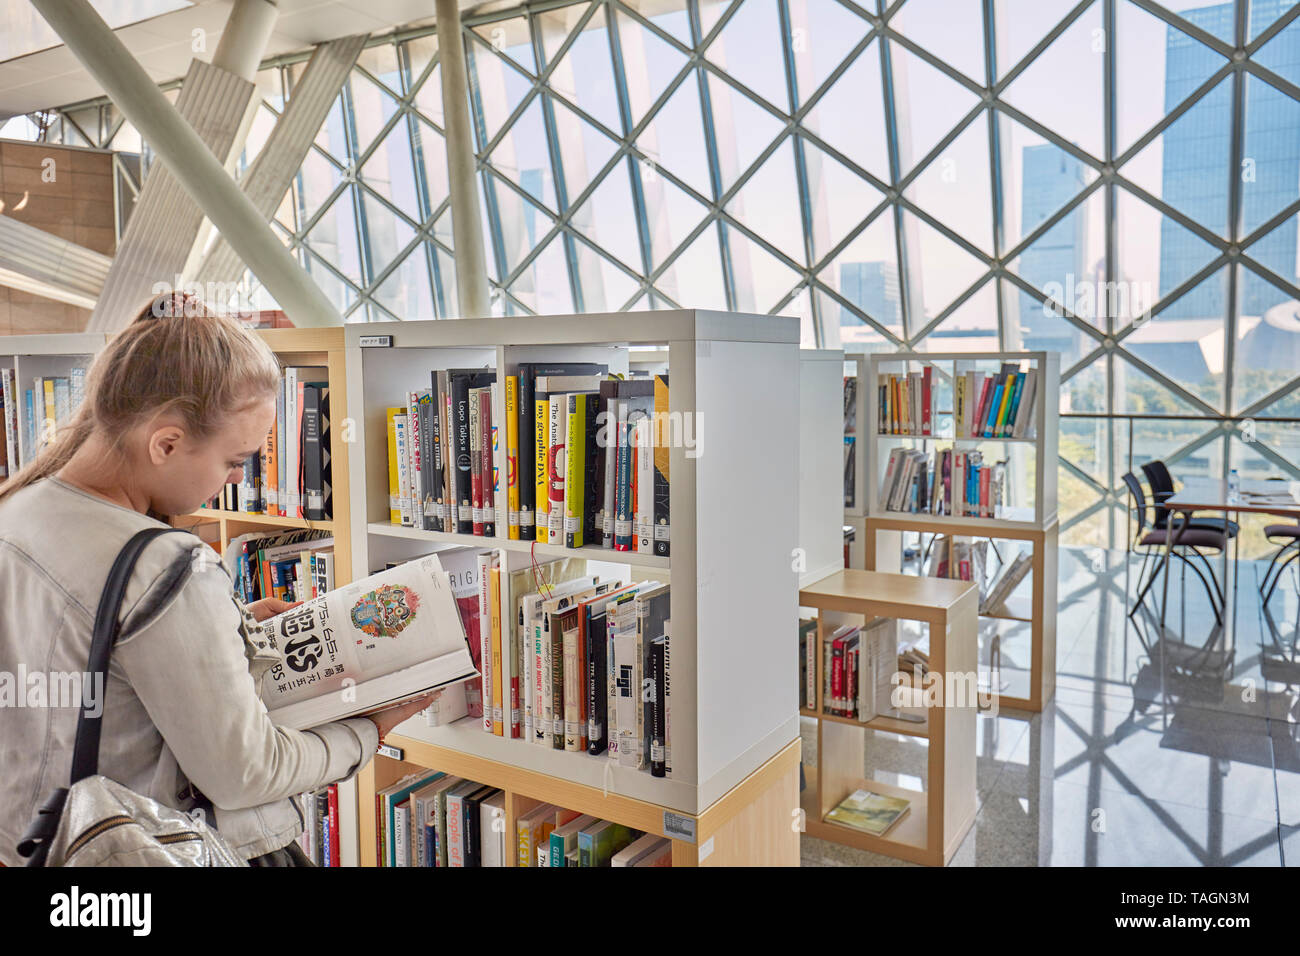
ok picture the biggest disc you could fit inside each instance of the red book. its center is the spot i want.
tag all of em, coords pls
(334, 825)
(982, 410)
(925, 401)
(837, 676)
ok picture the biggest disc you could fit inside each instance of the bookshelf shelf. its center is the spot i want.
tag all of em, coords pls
(943, 810)
(733, 574)
(258, 520)
(590, 552)
(1032, 517)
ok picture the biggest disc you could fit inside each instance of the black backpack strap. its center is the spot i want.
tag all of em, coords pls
(85, 752)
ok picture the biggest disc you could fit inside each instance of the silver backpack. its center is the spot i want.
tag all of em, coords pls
(95, 821)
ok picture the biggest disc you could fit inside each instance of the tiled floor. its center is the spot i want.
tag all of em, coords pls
(1132, 763)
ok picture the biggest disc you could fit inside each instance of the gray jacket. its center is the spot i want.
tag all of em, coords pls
(181, 702)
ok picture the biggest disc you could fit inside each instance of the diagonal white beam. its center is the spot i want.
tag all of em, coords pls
(39, 262)
(189, 160)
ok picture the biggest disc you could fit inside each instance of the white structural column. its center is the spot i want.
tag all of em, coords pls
(190, 161)
(466, 226)
(270, 176)
(244, 39)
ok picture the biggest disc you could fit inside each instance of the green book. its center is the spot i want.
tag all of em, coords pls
(565, 838)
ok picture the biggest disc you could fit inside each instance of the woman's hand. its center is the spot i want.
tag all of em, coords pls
(270, 607)
(386, 720)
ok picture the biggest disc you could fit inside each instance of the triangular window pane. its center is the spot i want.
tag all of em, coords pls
(1138, 393)
(672, 218)
(674, 139)
(1280, 53)
(744, 129)
(1186, 341)
(840, 199)
(1021, 24)
(408, 292)
(932, 102)
(955, 187)
(556, 25)
(498, 89)
(1267, 355)
(749, 49)
(372, 108)
(386, 234)
(1278, 249)
(866, 274)
(711, 11)
(431, 159)
(608, 218)
(1040, 178)
(1217, 19)
(673, 20)
(768, 203)
(605, 287)
(1151, 270)
(522, 155)
(761, 280)
(390, 173)
(1072, 110)
(380, 61)
(316, 182)
(585, 75)
(543, 286)
(821, 36)
(510, 38)
(1270, 174)
(523, 224)
(694, 280)
(1157, 66)
(649, 63)
(971, 327)
(584, 150)
(851, 115)
(855, 332)
(1187, 164)
(331, 136)
(341, 294)
(419, 53)
(1067, 262)
(428, 98)
(953, 30)
(936, 266)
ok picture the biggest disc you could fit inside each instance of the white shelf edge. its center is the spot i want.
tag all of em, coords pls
(590, 552)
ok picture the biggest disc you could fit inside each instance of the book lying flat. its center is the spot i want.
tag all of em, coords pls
(869, 812)
(368, 645)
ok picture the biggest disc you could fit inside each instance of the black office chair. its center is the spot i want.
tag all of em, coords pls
(1162, 487)
(1286, 537)
(1191, 543)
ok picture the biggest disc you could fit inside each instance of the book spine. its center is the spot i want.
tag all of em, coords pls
(569, 645)
(558, 668)
(450, 476)
(403, 469)
(487, 461)
(645, 487)
(485, 638)
(556, 463)
(623, 516)
(541, 467)
(527, 457)
(461, 455)
(594, 637)
(593, 489)
(668, 700)
(476, 461)
(313, 465)
(512, 456)
(925, 401)
(415, 461)
(541, 681)
(656, 678)
(494, 619)
(661, 459)
(575, 482)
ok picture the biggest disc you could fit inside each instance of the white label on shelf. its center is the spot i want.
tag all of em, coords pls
(661, 532)
(498, 515)
(643, 529)
(594, 729)
(706, 850)
(315, 499)
(477, 514)
(623, 528)
(607, 524)
(514, 519)
(387, 751)
(571, 728)
(557, 726)
(465, 513)
(656, 752)
(571, 524)
(525, 519)
(679, 827)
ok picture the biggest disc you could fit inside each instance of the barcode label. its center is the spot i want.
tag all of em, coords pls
(607, 526)
(525, 519)
(623, 528)
(477, 515)
(661, 532)
(466, 513)
(514, 519)
(572, 524)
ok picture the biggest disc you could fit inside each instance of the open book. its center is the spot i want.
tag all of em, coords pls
(365, 646)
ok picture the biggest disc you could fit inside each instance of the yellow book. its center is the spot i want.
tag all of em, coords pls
(512, 455)
(494, 615)
(575, 473)
(958, 405)
(394, 492)
(541, 429)
(47, 427)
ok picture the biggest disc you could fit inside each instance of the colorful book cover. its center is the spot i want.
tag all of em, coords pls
(512, 456)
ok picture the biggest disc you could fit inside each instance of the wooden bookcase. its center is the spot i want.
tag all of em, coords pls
(1032, 466)
(943, 811)
(300, 347)
(735, 739)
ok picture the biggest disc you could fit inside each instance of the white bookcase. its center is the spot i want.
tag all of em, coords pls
(37, 356)
(1018, 640)
(733, 532)
(821, 484)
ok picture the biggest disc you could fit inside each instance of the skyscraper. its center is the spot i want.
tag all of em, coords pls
(873, 288)
(1196, 158)
(1050, 177)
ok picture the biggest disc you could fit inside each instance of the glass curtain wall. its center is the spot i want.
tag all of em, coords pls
(1117, 180)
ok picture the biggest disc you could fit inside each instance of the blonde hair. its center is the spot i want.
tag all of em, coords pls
(175, 357)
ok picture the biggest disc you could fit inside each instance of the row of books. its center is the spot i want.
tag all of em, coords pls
(291, 476)
(1013, 572)
(959, 557)
(586, 454)
(433, 819)
(582, 666)
(320, 833)
(290, 565)
(952, 482)
(995, 406)
(985, 405)
(46, 406)
(858, 667)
